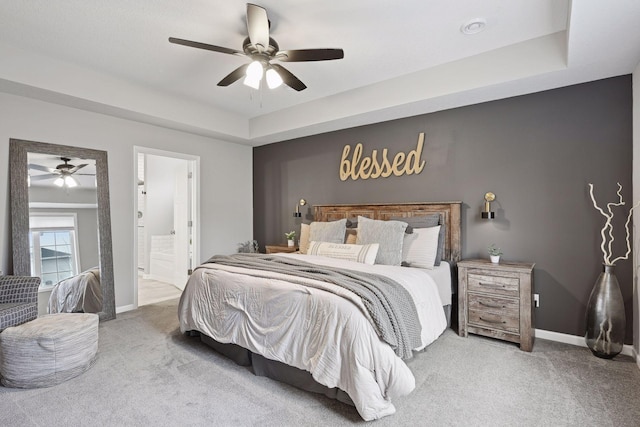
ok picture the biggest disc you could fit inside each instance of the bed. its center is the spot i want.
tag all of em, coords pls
(81, 293)
(299, 329)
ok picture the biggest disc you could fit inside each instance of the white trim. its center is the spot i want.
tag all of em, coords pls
(46, 205)
(627, 350)
(124, 308)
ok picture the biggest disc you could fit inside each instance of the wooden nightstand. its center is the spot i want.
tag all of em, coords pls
(495, 300)
(274, 249)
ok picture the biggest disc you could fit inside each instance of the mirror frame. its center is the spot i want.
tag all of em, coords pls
(18, 169)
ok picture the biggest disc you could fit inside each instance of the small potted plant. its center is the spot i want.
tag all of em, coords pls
(494, 253)
(291, 235)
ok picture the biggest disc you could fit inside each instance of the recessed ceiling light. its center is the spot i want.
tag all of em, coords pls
(473, 26)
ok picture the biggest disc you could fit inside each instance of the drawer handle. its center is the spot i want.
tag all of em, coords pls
(493, 321)
(491, 285)
(492, 305)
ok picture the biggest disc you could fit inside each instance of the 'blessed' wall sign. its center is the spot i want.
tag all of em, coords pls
(374, 167)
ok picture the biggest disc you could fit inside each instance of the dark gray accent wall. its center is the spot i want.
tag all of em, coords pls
(536, 152)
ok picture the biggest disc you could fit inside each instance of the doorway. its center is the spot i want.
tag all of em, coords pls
(166, 223)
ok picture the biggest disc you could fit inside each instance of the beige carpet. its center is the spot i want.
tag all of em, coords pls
(147, 373)
(154, 291)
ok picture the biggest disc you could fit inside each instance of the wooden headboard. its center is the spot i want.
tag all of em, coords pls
(449, 217)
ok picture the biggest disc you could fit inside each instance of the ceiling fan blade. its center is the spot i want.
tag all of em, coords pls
(77, 168)
(288, 78)
(258, 26)
(234, 76)
(309, 55)
(40, 168)
(43, 177)
(205, 46)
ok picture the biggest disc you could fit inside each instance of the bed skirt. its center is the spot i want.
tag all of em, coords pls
(275, 370)
(279, 371)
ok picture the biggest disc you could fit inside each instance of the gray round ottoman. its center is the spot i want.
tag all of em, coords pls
(48, 350)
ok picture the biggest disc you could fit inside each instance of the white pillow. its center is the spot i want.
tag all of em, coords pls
(420, 248)
(304, 238)
(365, 254)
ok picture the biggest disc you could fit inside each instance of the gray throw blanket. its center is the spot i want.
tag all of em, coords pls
(390, 306)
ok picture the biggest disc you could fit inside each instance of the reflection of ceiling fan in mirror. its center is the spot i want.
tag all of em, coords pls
(62, 174)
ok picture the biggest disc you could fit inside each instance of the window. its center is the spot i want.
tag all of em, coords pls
(53, 247)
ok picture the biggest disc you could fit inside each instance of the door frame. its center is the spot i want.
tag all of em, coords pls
(194, 165)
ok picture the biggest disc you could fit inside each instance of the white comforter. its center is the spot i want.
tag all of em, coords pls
(79, 293)
(311, 329)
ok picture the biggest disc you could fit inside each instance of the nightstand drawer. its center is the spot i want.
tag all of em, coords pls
(494, 321)
(495, 313)
(492, 304)
(494, 284)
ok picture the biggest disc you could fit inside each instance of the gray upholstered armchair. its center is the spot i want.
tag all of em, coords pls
(18, 300)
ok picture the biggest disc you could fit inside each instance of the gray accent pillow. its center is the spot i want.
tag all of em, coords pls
(425, 222)
(332, 232)
(353, 223)
(389, 234)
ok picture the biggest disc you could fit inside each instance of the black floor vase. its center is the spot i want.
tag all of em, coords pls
(605, 316)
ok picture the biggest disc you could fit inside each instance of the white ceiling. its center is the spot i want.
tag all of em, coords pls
(402, 58)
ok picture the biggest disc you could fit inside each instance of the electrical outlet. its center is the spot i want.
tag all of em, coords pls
(536, 300)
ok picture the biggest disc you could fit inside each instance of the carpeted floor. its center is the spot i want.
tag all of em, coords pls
(148, 373)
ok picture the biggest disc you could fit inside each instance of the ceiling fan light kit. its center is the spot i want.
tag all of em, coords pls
(66, 181)
(62, 173)
(262, 49)
(273, 79)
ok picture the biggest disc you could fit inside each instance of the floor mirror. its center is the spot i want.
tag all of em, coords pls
(52, 184)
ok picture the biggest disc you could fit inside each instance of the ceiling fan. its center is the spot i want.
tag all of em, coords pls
(62, 173)
(262, 49)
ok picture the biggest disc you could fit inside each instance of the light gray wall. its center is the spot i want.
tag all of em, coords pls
(87, 218)
(537, 153)
(225, 210)
(53, 194)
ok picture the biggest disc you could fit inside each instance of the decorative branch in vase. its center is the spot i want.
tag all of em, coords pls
(607, 230)
(605, 311)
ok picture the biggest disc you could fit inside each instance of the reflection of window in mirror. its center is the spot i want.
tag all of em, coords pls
(53, 247)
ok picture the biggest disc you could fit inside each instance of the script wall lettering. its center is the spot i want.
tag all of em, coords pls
(358, 167)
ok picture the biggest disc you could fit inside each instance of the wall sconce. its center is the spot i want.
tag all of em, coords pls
(297, 213)
(486, 213)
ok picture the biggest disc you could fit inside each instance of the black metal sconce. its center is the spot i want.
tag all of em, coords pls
(487, 213)
(297, 213)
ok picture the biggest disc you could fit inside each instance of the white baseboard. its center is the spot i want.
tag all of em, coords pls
(627, 350)
(124, 308)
